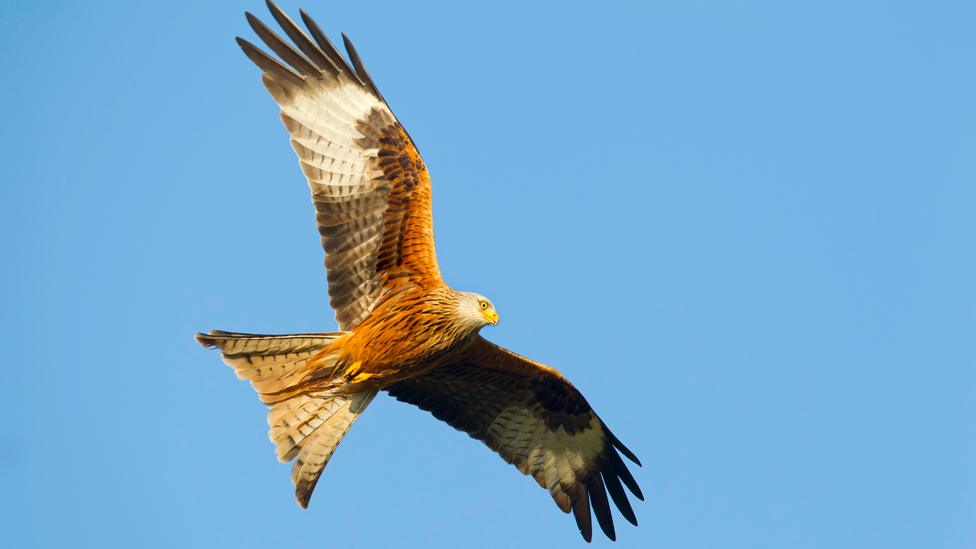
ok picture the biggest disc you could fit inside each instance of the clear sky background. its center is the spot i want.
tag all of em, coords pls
(744, 230)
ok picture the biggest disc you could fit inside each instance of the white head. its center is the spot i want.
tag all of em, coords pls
(476, 311)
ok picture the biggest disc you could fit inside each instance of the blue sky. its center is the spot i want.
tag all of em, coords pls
(745, 231)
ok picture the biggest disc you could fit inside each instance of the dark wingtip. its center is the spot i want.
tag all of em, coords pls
(630, 455)
(300, 39)
(357, 63)
(252, 20)
(633, 487)
(587, 534)
(601, 506)
(269, 65)
(620, 446)
(620, 468)
(619, 497)
(581, 512)
(359, 67)
(327, 47)
(205, 340)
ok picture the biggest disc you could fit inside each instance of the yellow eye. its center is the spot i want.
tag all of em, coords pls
(484, 305)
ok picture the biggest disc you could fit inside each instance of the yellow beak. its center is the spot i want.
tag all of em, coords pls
(491, 317)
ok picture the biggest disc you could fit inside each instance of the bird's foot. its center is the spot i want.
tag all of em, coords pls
(354, 373)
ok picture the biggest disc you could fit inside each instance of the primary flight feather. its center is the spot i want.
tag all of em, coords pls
(403, 330)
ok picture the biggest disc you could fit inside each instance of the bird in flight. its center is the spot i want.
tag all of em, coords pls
(402, 329)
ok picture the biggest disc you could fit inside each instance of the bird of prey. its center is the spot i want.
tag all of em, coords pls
(403, 330)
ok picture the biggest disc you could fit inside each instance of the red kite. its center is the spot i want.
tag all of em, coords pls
(403, 330)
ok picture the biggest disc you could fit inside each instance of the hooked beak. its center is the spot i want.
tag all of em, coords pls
(491, 317)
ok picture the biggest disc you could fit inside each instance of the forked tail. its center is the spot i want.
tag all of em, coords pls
(307, 421)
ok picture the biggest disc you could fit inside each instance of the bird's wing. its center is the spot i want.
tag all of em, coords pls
(370, 187)
(536, 420)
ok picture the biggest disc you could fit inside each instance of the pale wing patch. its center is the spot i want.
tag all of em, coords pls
(557, 460)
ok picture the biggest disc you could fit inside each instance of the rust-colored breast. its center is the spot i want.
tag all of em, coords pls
(406, 334)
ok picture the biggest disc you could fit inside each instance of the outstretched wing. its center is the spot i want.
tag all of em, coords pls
(370, 187)
(536, 420)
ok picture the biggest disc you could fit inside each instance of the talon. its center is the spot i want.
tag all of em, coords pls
(354, 374)
(361, 377)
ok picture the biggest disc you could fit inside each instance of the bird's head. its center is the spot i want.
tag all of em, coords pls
(477, 310)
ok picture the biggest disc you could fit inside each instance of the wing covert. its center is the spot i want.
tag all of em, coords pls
(536, 420)
(370, 187)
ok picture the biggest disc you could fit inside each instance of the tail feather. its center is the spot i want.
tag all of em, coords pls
(272, 363)
(307, 423)
(316, 452)
(294, 420)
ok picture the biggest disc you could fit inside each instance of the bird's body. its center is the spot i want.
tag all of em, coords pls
(405, 335)
(403, 330)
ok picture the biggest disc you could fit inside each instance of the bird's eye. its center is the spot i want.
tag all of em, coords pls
(484, 305)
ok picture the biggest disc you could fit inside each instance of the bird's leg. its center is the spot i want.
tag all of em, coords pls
(354, 373)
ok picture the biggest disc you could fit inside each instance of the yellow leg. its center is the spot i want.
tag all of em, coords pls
(361, 377)
(355, 375)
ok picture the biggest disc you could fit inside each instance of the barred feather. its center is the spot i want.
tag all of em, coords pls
(307, 425)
